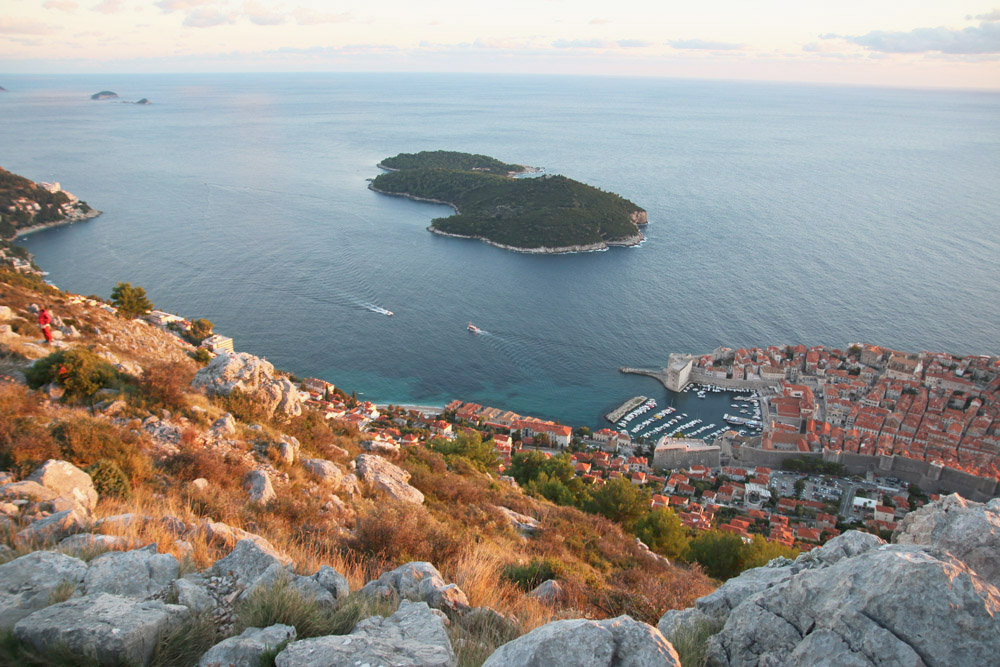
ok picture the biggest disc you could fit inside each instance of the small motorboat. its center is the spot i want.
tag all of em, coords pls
(473, 328)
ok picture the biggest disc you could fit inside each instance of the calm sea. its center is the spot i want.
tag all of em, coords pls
(778, 214)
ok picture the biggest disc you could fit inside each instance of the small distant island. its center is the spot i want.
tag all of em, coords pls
(545, 214)
(143, 101)
(105, 95)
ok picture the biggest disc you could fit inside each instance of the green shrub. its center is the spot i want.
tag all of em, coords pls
(109, 480)
(281, 602)
(130, 301)
(529, 576)
(78, 370)
(202, 356)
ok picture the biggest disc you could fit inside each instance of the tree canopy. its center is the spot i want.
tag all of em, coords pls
(548, 211)
(130, 301)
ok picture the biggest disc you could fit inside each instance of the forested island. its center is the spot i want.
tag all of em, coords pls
(547, 214)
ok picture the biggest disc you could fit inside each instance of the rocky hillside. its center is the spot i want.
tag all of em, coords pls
(153, 507)
(157, 510)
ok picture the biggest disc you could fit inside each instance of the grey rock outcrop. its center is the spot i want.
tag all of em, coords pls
(522, 523)
(27, 490)
(326, 471)
(380, 447)
(549, 591)
(247, 648)
(968, 530)
(253, 375)
(418, 580)
(248, 561)
(54, 527)
(616, 642)
(87, 541)
(258, 486)
(135, 574)
(334, 582)
(66, 480)
(894, 605)
(105, 628)
(715, 607)
(415, 636)
(388, 478)
(27, 583)
(193, 596)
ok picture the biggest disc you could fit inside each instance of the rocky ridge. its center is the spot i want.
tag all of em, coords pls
(928, 598)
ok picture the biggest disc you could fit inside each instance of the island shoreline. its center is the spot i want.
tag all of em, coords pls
(631, 242)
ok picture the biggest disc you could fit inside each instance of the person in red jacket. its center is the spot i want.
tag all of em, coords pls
(45, 322)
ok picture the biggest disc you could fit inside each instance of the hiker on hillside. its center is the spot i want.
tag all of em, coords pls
(45, 322)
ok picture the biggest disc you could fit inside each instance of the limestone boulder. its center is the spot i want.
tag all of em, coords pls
(383, 447)
(90, 541)
(326, 471)
(193, 596)
(388, 478)
(968, 530)
(522, 523)
(549, 591)
(616, 642)
(333, 582)
(66, 480)
(418, 580)
(222, 534)
(893, 605)
(27, 583)
(247, 648)
(258, 486)
(248, 561)
(414, 636)
(255, 376)
(105, 628)
(135, 574)
(27, 490)
(54, 527)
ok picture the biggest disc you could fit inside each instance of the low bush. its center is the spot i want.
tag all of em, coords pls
(83, 441)
(401, 532)
(163, 385)
(78, 370)
(531, 574)
(109, 480)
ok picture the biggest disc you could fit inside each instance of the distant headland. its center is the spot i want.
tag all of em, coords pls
(26, 206)
(105, 95)
(547, 214)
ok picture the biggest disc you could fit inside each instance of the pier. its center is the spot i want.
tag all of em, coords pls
(625, 407)
(660, 373)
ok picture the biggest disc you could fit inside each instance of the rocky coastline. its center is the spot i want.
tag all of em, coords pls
(77, 216)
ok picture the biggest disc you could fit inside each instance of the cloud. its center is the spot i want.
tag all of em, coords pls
(633, 43)
(581, 44)
(110, 7)
(600, 21)
(991, 16)
(13, 26)
(305, 16)
(260, 15)
(207, 18)
(169, 6)
(984, 38)
(61, 5)
(704, 44)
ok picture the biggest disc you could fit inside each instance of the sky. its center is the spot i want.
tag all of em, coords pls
(906, 43)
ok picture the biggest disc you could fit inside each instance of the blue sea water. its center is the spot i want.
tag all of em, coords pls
(778, 213)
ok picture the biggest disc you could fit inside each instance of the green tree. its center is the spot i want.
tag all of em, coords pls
(131, 302)
(469, 446)
(760, 552)
(619, 500)
(663, 532)
(719, 553)
(800, 487)
(200, 330)
(527, 466)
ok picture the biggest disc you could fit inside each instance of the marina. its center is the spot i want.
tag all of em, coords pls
(703, 411)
